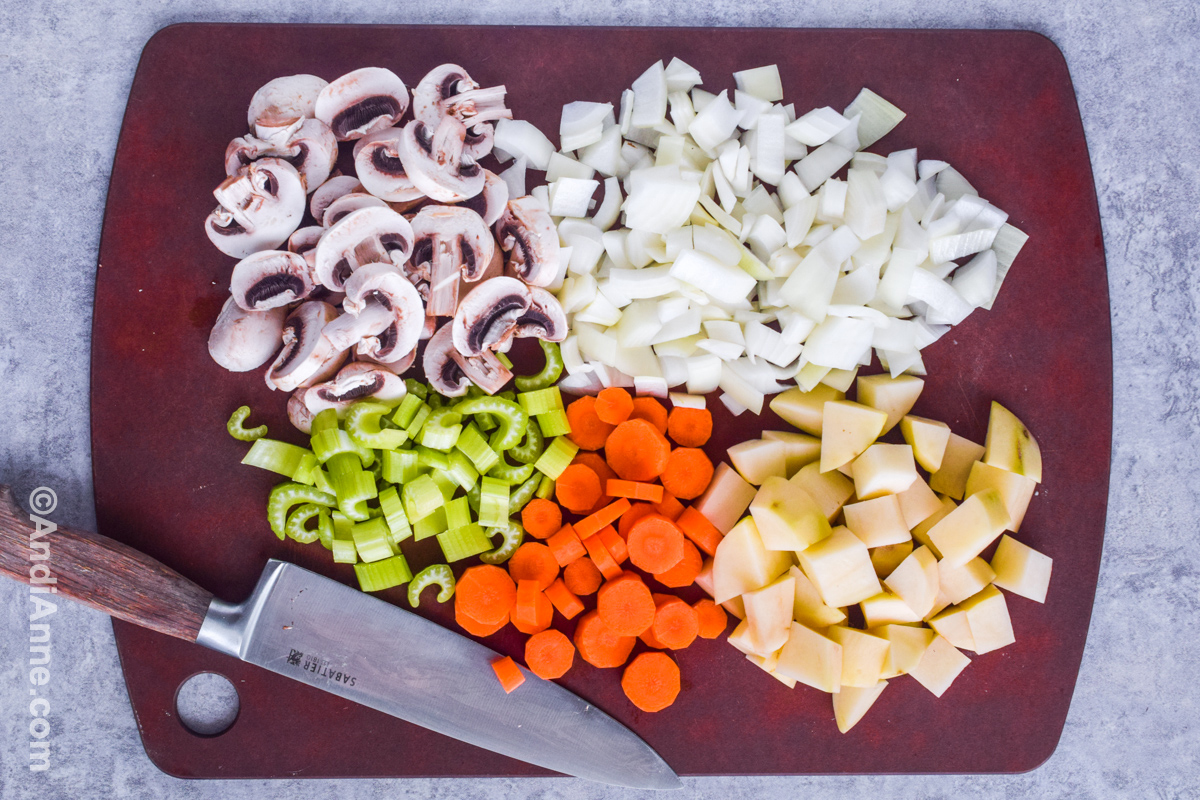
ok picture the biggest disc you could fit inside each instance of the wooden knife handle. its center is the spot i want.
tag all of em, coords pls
(101, 573)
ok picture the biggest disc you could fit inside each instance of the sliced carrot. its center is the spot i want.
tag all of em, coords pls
(626, 605)
(533, 611)
(651, 410)
(684, 573)
(614, 405)
(541, 518)
(582, 577)
(592, 523)
(636, 451)
(565, 546)
(607, 565)
(650, 492)
(588, 431)
(477, 628)
(599, 466)
(614, 543)
(688, 473)
(599, 646)
(562, 598)
(669, 507)
(696, 527)
(534, 561)
(486, 594)
(635, 512)
(676, 624)
(578, 488)
(655, 544)
(713, 618)
(509, 673)
(651, 681)
(690, 427)
(549, 654)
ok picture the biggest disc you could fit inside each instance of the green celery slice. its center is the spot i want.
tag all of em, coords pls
(550, 373)
(296, 529)
(421, 498)
(461, 470)
(399, 466)
(513, 534)
(393, 512)
(441, 429)
(323, 421)
(530, 450)
(363, 424)
(286, 495)
(275, 456)
(458, 513)
(472, 445)
(513, 418)
(384, 574)
(242, 434)
(510, 474)
(545, 489)
(493, 503)
(435, 574)
(430, 525)
(464, 542)
(373, 539)
(541, 401)
(557, 457)
(524, 493)
(554, 423)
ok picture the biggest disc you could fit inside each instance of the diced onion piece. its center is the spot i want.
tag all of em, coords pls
(710, 276)
(976, 279)
(514, 176)
(791, 190)
(839, 342)
(893, 288)
(960, 245)
(735, 408)
(604, 155)
(810, 287)
(649, 98)
(761, 82)
(715, 123)
(563, 166)
(878, 117)
(817, 126)
(750, 108)
(831, 201)
(681, 76)
(582, 123)
(659, 201)
(952, 184)
(741, 391)
(1007, 245)
(571, 197)
(704, 373)
(523, 140)
(687, 400)
(821, 164)
(768, 147)
(847, 137)
(866, 207)
(945, 304)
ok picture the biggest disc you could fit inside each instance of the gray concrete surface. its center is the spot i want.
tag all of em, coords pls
(65, 71)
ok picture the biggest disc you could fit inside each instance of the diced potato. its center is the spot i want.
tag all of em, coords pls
(968, 529)
(916, 581)
(928, 438)
(769, 614)
(884, 469)
(887, 608)
(1010, 445)
(811, 659)
(735, 607)
(849, 428)
(939, 666)
(830, 489)
(742, 564)
(840, 568)
(758, 459)
(726, 498)
(788, 518)
(1016, 490)
(959, 583)
(807, 607)
(987, 616)
(852, 703)
(908, 644)
(951, 476)
(921, 531)
(803, 409)
(895, 396)
(799, 448)
(862, 655)
(918, 503)
(885, 559)
(705, 579)
(877, 522)
(741, 639)
(952, 624)
(1021, 570)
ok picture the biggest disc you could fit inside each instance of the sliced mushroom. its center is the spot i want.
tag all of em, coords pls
(527, 233)
(386, 314)
(449, 91)
(369, 235)
(329, 191)
(347, 204)
(488, 315)
(361, 102)
(398, 367)
(270, 279)
(311, 149)
(307, 356)
(491, 202)
(485, 371)
(435, 162)
(304, 243)
(243, 340)
(377, 162)
(355, 381)
(298, 413)
(259, 208)
(450, 242)
(278, 107)
(441, 370)
(544, 319)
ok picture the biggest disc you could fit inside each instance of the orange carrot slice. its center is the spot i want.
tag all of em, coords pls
(690, 427)
(588, 431)
(614, 405)
(578, 488)
(582, 577)
(669, 507)
(614, 544)
(651, 681)
(533, 612)
(541, 518)
(688, 473)
(599, 466)
(696, 527)
(563, 599)
(477, 628)
(636, 451)
(549, 654)
(675, 622)
(599, 646)
(508, 673)
(565, 546)
(626, 605)
(650, 492)
(651, 410)
(635, 512)
(655, 544)
(712, 617)
(486, 594)
(607, 565)
(534, 561)
(592, 523)
(684, 573)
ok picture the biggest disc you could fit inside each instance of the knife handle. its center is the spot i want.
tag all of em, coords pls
(99, 572)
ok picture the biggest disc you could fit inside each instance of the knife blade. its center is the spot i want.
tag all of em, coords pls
(315, 630)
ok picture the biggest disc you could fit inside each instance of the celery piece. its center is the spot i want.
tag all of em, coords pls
(435, 574)
(551, 371)
(295, 527)
(418, 422)
(421, 498)
(430, 525)
(399, 466)
(541, 401)
(524, 493)
(321, 481)
(554, 423)
(445, 484)
(373, 539)
(531, 449)
(306, 471)
(441, 429)
(363, 424)
(234, 426)
(464, 542)
(286, 495)
(384, 574)
(344, 551)
(472, 445)
(334, 442)
(274, 456)
(324, 420)
(325, 531)
(512, 475)
(513, 534)
(486, 422)
(458, 513)
(493, 503)
(415, 387)
(393, 512)
(461, 470)
(557, 457)
(545, 489)
(473, 497)
(432, 459)
(407, 409)
(513, 418)
(504, 359)
(353, 490)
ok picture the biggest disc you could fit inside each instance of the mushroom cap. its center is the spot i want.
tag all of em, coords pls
(454, 242)
(398, 367)
(544, 319)
(269, 279)
(382, 286)
(439, 85)
(329, 191)
(307, 356)
(311, 149)
(377, 162)
(526, 232)
(488, 315)
(434, 161)
(491, 202)
(348, 204)
(280, 103)
(258, 209)
(243, 340)
(362, 237)
(298, 413)
(355, 381)
(441, 370)
(361, 102)
(304, 243)
(448, 90)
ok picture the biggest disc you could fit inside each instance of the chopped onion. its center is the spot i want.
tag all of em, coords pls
(523, 140)
(582, 123)
(680, 400)
(681, 77)
(571, 197)
(649, 98)
(878, 116)
(761, 82)
(514, 176)
(817, 126)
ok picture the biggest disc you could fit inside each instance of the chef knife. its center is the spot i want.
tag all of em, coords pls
(317, 631)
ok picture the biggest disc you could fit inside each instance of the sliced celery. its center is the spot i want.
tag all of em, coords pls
(335, 442)
(531, 449)
(385, 574)
(373, 539)
(524, 493)
(504, 359)
(458, 513)
(399, 466)
(461, 470)
(554, 423)
(415, 387)
(464, 542)
(363, 424)
(286, 495)
(473, 496)
(512, 475)
(557, 457)
(307, 470)
(513, 534)
(421, 498)
(325, 529)
(445, 484)
(472, 445)
(279, 457)
(435, 574)
(441, 429)
(323, 421)
(321, 481)
(418, 421)
(431, 525)
(493, 503)
(550, 373)
(486, 422)
(344, 551)
(393, 512)
(541, 401)
(353, 490)
(408, 408)
(545, 489)
(296, 521)
(513, 418)
(234, 426)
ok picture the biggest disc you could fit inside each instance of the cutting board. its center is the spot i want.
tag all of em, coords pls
(998, 105)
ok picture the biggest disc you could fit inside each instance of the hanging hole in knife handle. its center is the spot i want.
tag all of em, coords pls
(100, 572)
(207, 704)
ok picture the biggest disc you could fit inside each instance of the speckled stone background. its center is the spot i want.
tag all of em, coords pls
(65, 71)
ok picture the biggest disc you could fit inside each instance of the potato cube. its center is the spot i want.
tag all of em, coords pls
(805, 410)
(742, 564)
(758, 459)
(886, 608)
(741, 639)
(840, 568)
(885, 559)
(987, 616)
(830, 489)
(896, 396)
(968, 529)
(1016, 490)
(952, 625)
(916, 581)
(918, 503)
(883, 469)
(928, 438)
(921, 532)
(788, 518)
(849, 428)
(1021, 570)
(951, 476)
(852, 703)
(769, 613)
(799, 448)
(811, 659)
(862, 655)
(877, 522)
(807, 607)
(939, 666)
(908, 644)
(959, 583)
(725, 499)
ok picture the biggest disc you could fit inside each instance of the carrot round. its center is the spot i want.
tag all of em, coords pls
(614, 543)
(635, 512)
(588, 431)
(651, 681)
(655, 544)
(712, 617)
(563, 599)
(690, 427)
(636, 451)
(578, 488)
(669, 507)
(582, 577)
(486, 594)
(549, 654)
(541, 518)
(599, 646)
(508, 673)
(565, 546)
(533, 611)
(696, 527)
(534, 561)
(625, 605)
(477, 628)
(599, 466)
(651, 410)
(684, 573)
(675, 622)
(688, 473)
(614, 405)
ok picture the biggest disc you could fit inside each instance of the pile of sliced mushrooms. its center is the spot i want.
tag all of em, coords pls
(422, 243)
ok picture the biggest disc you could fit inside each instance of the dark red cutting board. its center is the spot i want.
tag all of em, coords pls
(998, 105)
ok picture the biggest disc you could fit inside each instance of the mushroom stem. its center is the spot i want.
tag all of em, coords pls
(479, 105)
(443, 283)
(448, 141)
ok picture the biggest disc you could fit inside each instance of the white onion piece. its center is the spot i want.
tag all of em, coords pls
(595, 344)
(898, 335)
(578, 292)
(848, 137)
(682, 348)
(582, 123)
(878, 116)
(929, 168)
(735, 408)
(609, 210)
(563, 166)
(640, 284)
(681, 110)
(700, 98)
(750, 107)
(704, 373)
(736, 387)
(760, 201)
(674, 369)
(681, 76)
(726, 351)
(710, 276)
(649, 98)
(856, 288)
(670, 308)
(766, 237)
(893, 288)
(817, 126)
(571, 197)
(927, 333)
(679, 327)
(831, 201)
(866, 207)
(791, 190)
(680, 400)
(658, 201)
(604, 155)
(715, 123)
(761, 82)
(898, 188)
(871, 162)
(514, 177)
(839, 342)
(601, 311)
(820, 165)
(952, 184)
(948, 248)
(945, 305)
(976, 279)
(1007, 245)
(581, 383)
(572, 360)
(522, 139)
